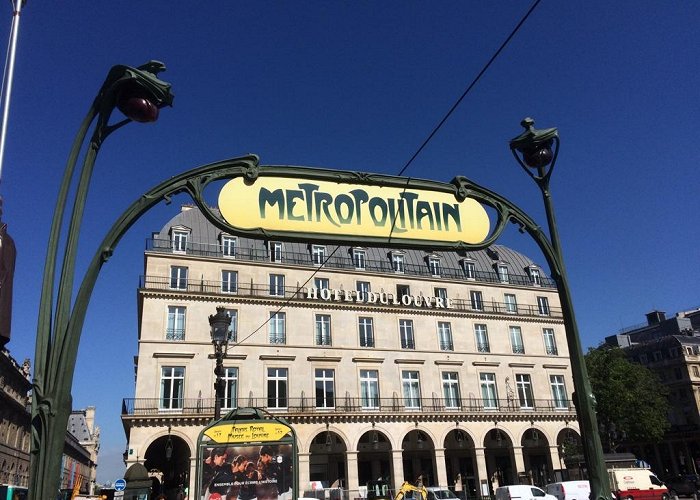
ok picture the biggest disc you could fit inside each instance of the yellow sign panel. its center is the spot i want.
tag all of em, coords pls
(247, 432)
(336, 209)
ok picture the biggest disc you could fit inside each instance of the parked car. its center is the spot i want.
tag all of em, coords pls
(569, 490)
(438, 493)
(683, 485)
(522, 492)
(636, 484)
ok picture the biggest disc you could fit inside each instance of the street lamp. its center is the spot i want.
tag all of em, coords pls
(537, 150)
(138, 93)
(219, 323)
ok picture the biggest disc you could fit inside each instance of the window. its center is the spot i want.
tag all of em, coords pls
(397, 262)
(318, 254)
(233, 327)
(477, 300)
(558, 391)
(229, 281)
(178, 277)
(363, 287)
(172, 384)
(277, 285)
(276, 387)
(543, 306)
(450, 389)
(323, 329)
(503, 273)
(275, 251)
(176, 323)
(228, 246)
(402, 290)
(511, 304)
(180, 241)
(489, 393)
(469, 270)
(441, 293)
(445, 336)
(523, 386)
(277, 327)
(535, 276)
(369, 388)
(230, 380)
(696, 372)
(410, 382)
(358, 258)
(366, 332)
(550, 343)
(406, 334)
(322, 283)
(516, 340)
(434, 265)
(482, 338)
(325, 388)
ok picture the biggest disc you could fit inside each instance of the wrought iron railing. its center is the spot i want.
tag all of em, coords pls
(446, 345)
(264, 290)
(195, 406)
(483, 347)
(338, 261)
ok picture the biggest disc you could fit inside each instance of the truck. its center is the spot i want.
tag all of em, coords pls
(636, 484)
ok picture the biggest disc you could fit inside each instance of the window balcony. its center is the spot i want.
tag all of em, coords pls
(192, 407)
(483, 347)
(446, 345)
(175, 334)
(338, 261)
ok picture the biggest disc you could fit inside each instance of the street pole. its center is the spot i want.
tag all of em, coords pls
(139, 94)
(219, 324)
(535, 148)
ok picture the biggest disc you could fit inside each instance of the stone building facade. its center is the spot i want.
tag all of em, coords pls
(14, 420)
(388, 363)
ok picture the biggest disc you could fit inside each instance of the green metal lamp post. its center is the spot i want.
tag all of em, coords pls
(533, 150)
(139, 94)
(219, 323)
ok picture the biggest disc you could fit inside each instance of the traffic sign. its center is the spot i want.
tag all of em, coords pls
(118, 494)
(119, 485)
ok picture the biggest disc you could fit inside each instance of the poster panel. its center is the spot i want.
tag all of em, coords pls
(246, 471)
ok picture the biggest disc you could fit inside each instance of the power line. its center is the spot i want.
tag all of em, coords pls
(471, 85)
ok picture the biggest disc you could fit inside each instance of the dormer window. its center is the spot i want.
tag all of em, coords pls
(434, 265)
(469, 269)
(534, 276)
(318, 254)
(358, 258)
(398, 262)
(275, 251)
(228, 245)
(502, 273)
(179, 238)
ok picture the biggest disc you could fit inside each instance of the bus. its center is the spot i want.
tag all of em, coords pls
(9, 492)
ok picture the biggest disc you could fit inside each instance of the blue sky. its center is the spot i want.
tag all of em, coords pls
(359, 85)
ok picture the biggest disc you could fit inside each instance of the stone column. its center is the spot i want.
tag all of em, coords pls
(304, 475)
(440, 471)
(481, 471)
(397, 466)
(353, 480)
(519, 461)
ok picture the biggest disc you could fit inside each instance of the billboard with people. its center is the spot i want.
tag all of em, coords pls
(246, 459)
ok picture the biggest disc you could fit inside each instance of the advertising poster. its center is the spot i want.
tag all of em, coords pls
(246, 471)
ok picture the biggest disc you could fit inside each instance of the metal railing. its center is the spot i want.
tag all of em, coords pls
(195, 406)
(339, 261)
(293, 293)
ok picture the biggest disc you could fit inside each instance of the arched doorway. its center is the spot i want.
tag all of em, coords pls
(536, 456)
(374, 464)
(419, 458)
(500, 463)
(460, 461)
(570, 451)
(327, 461)
(168, 460)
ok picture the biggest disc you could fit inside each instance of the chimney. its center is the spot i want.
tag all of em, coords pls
(655, 317)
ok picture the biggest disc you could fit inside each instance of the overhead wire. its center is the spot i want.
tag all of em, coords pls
(408, 163)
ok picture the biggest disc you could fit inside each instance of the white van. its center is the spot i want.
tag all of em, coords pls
(569, 490)
(636, 484)
(522, 492)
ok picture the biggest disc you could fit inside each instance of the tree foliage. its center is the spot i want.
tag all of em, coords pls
(632, 404)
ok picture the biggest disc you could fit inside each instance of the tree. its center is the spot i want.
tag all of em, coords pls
(632, 404)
